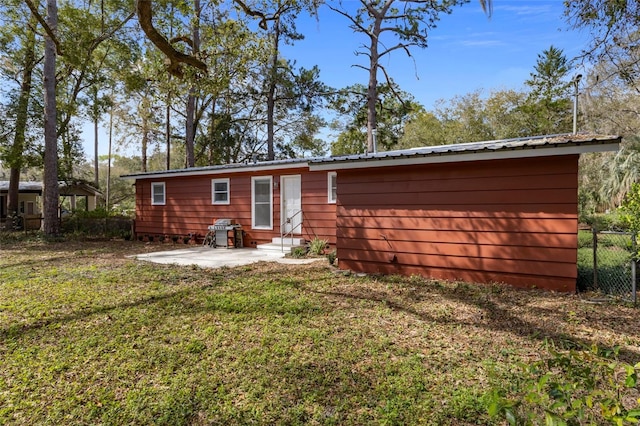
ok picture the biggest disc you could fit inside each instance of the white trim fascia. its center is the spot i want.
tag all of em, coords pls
(455, 158)
(222, 171)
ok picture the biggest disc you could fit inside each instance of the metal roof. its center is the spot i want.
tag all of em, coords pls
(234, 167)
(528, 147)
(506, 148)
(37, 187)
(22, 186)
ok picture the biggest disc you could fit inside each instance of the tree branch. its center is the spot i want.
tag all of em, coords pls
(255, 13)
(176, 58)
(106, 35)
(44, 24)
(184, 39)
(355, 23)
(396, 47)
(391, 86)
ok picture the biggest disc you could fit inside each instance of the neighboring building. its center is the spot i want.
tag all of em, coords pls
(30, 199)
(497, 211)
(79, 196)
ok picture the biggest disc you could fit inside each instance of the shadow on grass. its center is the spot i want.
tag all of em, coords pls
(323, 378)
(73, 245)
(17, 330)
(495, 317)
(193, 300)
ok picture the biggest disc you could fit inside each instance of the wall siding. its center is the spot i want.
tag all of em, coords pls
(188, 207)
(512, 221)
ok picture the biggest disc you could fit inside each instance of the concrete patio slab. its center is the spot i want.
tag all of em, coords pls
(207, 257)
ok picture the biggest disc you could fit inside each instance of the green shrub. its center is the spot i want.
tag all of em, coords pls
(587, 204)
(298, 252)
(331, 257)
(94, 224)
(317, 246)
(587, 386)
(585, 239)
(98, 213)
(607, 221)
(11, 237)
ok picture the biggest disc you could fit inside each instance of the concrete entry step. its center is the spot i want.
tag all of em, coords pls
(278, 248)
(289, 241)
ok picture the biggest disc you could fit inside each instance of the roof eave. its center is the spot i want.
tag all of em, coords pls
(216, 171)
(454, 157)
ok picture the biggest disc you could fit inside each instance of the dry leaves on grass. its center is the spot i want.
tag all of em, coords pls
(267, 342)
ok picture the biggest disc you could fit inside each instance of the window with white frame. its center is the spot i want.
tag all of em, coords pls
(261, 202)
(220, 191)
(332, 179)
(158, 194)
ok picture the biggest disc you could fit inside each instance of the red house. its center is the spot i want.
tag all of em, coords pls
(497, 211)
(254, 195)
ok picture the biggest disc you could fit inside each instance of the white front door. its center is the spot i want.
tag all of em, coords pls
(291, 213)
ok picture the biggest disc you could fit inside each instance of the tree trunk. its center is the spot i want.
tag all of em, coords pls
(144, 143)
(271, 93)
(168, 110)
(96, 176)
(51, 189)
(22, 113)
(168, 130)
(108, 198)
(14, 190)
(372, 90)
(190, 133)
(146, 119)
(213, 146)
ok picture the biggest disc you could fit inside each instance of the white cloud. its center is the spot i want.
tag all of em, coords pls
(525, 9)
(482, 43)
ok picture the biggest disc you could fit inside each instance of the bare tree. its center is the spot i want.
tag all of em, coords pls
(407, 27)
(406, 23)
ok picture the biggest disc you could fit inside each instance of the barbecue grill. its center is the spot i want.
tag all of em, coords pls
(225, 233)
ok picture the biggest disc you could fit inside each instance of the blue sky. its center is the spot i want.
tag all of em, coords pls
(467, 51)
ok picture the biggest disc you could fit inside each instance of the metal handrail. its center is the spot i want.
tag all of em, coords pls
(290, 232)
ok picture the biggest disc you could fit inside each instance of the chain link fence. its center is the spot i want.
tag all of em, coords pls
(607, 263)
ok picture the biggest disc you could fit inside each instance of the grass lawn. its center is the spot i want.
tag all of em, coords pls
(88, 336)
